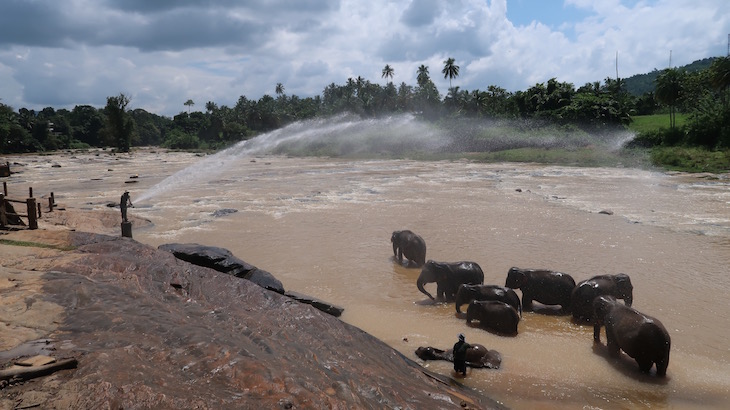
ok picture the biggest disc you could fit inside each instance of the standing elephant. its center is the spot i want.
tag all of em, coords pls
(410, 245)
(545, 286)
(581, 300)
(493, 315)
(467, 293)
(640, 336)
(476, 356)
(448, 277)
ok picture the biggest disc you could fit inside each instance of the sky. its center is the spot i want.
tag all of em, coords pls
(162, 53)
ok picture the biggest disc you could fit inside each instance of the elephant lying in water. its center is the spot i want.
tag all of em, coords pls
(640, 336)
(477, 356)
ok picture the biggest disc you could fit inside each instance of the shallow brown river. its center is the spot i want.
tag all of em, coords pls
(323, 228)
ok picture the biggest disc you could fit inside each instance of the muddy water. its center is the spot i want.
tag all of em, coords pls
(323, 228)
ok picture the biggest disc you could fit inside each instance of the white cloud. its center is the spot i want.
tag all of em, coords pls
(164, 52)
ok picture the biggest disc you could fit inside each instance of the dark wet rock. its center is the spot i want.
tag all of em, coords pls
(224, 212)
(223, 260)
(319, 304)
(150, 331)
(606, 212)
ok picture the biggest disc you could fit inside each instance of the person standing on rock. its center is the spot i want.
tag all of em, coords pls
(460, 355)
(126, 200)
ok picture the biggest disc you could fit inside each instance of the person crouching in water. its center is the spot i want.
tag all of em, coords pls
(460, 355)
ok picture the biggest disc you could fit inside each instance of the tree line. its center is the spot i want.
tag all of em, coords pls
(594, 107)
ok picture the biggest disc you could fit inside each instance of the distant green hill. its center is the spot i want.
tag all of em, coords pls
(640, 84)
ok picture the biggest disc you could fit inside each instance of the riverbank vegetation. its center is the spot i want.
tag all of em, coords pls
(682, 123)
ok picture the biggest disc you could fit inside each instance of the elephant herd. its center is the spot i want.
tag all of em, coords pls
(498, 308)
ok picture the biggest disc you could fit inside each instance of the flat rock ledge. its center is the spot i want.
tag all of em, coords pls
(223, 260)
(150, 331)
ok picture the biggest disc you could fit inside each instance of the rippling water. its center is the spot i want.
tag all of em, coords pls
(323, 227)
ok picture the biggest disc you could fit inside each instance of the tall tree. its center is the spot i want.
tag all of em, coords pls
(189, 103)
(450, 70)
(720, 73)
(388, 72)
(119, 125)
(279, 89)
(422, 78)
(669, 91)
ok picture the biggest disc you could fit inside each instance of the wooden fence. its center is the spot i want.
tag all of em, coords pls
(33, 209)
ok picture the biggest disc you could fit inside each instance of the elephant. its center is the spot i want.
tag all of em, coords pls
(477, 356)
(410, 245)
(448, 276)
(467, 293)
(640, 336)
(581, 300)
(545, 286)
(493, 315)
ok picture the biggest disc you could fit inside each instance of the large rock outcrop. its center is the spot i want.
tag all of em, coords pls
(152, 331)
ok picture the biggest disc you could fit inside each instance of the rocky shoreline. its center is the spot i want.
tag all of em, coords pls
(149, 330)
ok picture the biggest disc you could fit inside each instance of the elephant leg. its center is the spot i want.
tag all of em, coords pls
(661, 367)
(597, 333)
(526, 302)
(611, 345)
(400, 254)
(644, 364)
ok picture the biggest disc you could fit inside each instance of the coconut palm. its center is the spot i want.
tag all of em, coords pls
(388, 72)
(450, 70)
(423, 76)
(189, 103)
(279, 89)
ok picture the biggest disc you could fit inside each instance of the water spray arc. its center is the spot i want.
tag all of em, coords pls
(338, 136)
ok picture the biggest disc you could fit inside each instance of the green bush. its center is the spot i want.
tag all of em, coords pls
(178, 139)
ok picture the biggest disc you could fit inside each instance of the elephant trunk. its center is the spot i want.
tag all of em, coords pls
(628, 300)
(420, 284)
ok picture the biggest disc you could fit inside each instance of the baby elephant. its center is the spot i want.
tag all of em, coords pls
(640, 336)
(410, 245)
(494, 315)
(467, 293)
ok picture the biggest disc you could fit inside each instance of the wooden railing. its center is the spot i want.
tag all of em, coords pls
(33, 209)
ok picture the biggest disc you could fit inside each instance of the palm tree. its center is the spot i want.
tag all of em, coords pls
(422, 77)
(450, 70)
(388, 72)
(279, 89)
(189, 103)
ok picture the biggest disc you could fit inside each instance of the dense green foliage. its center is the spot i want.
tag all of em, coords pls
(694, 103)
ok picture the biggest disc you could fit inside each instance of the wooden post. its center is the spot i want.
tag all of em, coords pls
(53, 200)
(30, 192)
(32, 217)
(127, 229)
(50, 204)
(5, 188)
(3, 217)
(39, 209)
